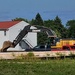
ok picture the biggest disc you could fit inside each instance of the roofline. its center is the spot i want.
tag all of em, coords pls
(8, 25)
(8, 21)
(4, 29)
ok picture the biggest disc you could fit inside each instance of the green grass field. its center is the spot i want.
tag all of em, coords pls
(40, 67)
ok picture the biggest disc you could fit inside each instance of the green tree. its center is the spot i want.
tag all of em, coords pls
(49, 24)
(42, 38)
(56, 25)
(33, 22)
(59, 27)
(70, 23)
(20, 19)
(39, 20)
(57, 20)
(71, 29)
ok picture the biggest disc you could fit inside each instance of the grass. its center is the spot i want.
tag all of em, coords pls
(39, 67)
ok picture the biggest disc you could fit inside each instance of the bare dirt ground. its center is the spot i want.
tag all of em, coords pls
(13, 55)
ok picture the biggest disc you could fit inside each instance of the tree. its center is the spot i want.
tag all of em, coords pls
(71, 29)
(33, 22)
(49, 24)
(55, 25)
(59, 27)
(20, 19)
(39, 20)
(57, 20)
(42, 38)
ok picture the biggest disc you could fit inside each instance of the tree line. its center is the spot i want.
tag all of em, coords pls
(55, 24)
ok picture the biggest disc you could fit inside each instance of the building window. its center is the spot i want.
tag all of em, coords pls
(5, 33)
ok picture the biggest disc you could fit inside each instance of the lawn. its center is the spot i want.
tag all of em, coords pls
(40, 67)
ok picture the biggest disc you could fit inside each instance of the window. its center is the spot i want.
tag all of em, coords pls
(5, 33)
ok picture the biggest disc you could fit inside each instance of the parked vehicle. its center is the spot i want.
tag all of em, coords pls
(42, 48)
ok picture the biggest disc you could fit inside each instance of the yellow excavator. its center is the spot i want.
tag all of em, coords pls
(8, 44)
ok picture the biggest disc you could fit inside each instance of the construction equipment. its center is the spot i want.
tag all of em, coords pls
(8, 44)
(64, 44)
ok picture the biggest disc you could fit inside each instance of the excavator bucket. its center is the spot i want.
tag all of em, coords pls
(6, 45)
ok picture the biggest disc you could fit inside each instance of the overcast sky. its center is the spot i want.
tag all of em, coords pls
(48, 9)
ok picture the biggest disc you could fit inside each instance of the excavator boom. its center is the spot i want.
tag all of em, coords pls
(21, 35)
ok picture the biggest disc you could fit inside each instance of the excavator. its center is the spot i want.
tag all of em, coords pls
(9, 44)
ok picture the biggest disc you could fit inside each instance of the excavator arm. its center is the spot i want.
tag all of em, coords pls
(21, 35)
(8, 44)
(48, 31)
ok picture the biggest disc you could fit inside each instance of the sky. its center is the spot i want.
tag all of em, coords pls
(48, 9)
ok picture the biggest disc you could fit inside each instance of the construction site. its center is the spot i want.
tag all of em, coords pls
(54, 49)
